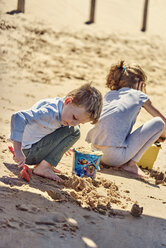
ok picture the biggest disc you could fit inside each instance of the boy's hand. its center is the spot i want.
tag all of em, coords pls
(69, 152)
(19, 158)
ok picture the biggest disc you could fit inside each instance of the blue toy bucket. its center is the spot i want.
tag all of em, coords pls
(86, 163)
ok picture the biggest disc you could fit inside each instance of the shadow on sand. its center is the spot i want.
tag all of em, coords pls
(13, 12)
(31, 220)
(121, 173)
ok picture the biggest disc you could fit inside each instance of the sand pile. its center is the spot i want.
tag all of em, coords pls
(98, 195)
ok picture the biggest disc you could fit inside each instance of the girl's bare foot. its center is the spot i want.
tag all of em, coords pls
(44, 169)
(132, 167)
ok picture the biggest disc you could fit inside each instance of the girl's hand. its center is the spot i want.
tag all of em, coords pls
(19, 158)
(161, 139)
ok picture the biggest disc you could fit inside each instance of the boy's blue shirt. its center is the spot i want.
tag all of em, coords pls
(30, 126)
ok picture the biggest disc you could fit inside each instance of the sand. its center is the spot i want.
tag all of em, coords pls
(47, 52)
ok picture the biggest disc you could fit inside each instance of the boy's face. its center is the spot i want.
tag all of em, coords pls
(73, 115)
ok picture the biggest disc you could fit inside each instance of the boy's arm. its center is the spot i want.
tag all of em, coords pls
(19, 121)
(19, 156)
(155, 112)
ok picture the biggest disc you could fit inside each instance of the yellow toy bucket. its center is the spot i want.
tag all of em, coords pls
(149, 157)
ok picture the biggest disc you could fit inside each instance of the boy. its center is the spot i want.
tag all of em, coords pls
(43, 133)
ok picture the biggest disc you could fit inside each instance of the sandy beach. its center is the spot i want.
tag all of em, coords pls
(47, 52)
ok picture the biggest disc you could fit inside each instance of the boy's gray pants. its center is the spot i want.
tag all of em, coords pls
(52, 147)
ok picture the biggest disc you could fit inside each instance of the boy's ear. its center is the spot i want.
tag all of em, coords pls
(68, 100)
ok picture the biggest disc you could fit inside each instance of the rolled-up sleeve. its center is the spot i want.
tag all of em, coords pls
(142, 98)
(18, 123)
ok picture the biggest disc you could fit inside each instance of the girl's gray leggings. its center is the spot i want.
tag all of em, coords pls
(52, 147)
(137, 143)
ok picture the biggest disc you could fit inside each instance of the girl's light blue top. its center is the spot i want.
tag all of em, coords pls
(120, 110)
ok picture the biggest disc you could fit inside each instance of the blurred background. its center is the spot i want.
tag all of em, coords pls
(110, 15)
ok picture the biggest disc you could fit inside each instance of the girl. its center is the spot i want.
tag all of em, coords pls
(113, 133)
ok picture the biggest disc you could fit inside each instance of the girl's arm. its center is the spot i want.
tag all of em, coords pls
(155, 112)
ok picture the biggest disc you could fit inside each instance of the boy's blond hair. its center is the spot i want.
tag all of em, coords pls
(90, 98)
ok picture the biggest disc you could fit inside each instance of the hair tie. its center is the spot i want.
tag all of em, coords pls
(123, 68)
